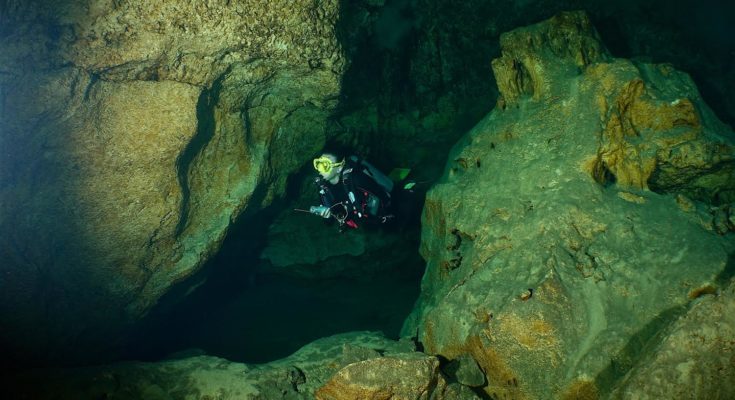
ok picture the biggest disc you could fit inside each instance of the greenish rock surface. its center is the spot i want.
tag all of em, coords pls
(694, 358)
(132, 136)
(573, 224)
(413, 376)
(295, 377)
(464, 369)
(304, 245)
(420, 75)
(582, 215)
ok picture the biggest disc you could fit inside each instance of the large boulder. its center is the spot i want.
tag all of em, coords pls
(576, 221)
(405, 378)
(419, 79)
(132, 135)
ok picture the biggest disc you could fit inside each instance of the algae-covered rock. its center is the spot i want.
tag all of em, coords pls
(295, 377)
(132, 135)
(557, 250)
(194, 377)
(695, 356)
(464, 369)
(399, 377)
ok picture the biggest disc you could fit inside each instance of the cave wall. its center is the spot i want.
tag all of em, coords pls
(132, 134)
(223, 100)
(421, 74)
(555, 259)
(190, 105)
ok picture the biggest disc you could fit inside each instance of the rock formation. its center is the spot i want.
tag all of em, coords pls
(323, 252)
(132, 135)
(694, 358)
(575, 223)
(413, 377)
(295, 377)
(420, 76)
(578, 245)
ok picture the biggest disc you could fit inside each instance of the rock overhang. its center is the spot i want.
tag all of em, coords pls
(163, 124)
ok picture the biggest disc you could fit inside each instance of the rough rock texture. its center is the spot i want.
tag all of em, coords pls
(421, 75)
(464, 369)
(550, 262)
(404, 378)
(132, 134)
(81, 192)
(695, 358)
(194, 377)
(295, 377)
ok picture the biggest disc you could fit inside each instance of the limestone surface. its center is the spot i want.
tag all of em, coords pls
(575, 223)
(695, 357)
(402, 378)
(132, 135)
(295, 377)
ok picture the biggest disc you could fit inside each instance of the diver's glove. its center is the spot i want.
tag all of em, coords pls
(322, 211)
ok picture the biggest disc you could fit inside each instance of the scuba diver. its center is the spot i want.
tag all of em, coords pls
(352, 191)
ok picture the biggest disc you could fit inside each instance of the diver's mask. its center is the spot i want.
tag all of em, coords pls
(326, 166)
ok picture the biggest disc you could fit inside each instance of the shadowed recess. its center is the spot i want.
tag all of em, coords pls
(205, 132)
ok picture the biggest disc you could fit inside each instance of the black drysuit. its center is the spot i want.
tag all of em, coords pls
(362, 195)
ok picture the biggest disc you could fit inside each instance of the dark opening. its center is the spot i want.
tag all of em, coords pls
(245, 314)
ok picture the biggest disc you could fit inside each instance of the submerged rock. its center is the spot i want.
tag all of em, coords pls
(295, 377)
(557, 250)
(464, 369)
(132, 135)
(303, 245)
(695, 356)
(414, 377)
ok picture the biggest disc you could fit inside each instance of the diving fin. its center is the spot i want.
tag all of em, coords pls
(399, 174)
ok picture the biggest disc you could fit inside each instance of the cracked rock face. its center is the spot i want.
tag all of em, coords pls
(131, 135)
(572, 225)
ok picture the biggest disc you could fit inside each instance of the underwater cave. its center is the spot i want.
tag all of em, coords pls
(156, 176)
